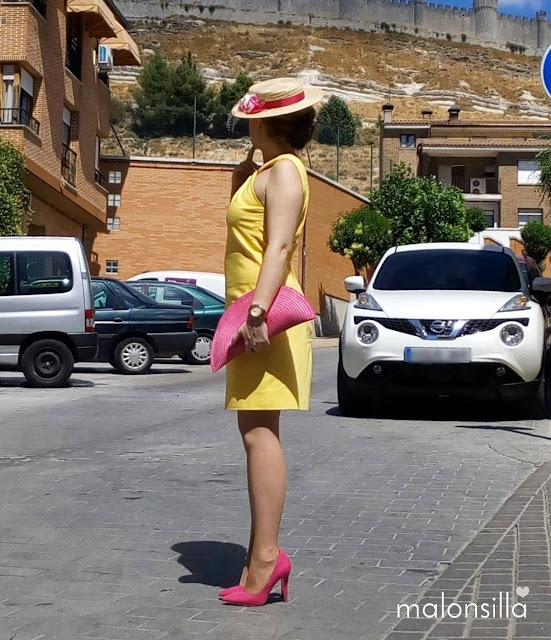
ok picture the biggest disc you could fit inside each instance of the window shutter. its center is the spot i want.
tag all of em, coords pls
(27, 83)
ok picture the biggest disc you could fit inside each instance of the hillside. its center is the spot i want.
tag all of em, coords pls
(365, 68)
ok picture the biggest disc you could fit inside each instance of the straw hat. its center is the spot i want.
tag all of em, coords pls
(276, 97)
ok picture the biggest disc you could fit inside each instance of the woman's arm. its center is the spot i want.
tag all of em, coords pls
(243, 171)
(283, 205)
(283, 201)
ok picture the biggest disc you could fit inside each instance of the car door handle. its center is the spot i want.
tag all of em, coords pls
(118, 320)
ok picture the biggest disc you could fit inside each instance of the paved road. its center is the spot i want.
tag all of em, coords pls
(124, 508)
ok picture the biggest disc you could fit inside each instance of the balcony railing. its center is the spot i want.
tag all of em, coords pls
(488, 185)
(19, 117)
(69, 165)
(100, 179)
(39, 5)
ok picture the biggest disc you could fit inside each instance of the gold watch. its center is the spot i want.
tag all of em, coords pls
(257, 314)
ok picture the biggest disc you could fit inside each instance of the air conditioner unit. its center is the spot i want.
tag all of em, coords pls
(105, 57)
(478, 185)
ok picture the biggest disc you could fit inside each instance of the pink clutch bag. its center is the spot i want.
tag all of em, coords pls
(288, 309)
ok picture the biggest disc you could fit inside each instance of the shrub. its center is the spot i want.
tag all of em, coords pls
(14, 195)
(476, 219)
(363, 236)
(537, 239)
(544, 158)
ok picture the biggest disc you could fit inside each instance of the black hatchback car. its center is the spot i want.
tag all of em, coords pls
(133, 329)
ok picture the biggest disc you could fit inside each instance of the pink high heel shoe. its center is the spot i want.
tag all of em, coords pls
(224, 592)
(281, 571)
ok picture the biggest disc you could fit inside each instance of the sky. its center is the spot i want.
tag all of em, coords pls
(517, 7)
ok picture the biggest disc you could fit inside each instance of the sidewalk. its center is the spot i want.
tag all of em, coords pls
(325, 343)
(504, 573)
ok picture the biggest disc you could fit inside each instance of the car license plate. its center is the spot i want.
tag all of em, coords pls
(427, 355)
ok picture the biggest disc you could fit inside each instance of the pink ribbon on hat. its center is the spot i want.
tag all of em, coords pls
(251, 103)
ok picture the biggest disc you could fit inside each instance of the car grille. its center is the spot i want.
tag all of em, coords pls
(471, 327)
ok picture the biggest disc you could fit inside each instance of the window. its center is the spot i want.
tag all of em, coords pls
(7, 113)
(41, 272)
(448, 270)
(529, 172)
(103, 296)
(114, 224)
(7, 279)
(114, 200)
(67, 124)
(73, 58)
(115, 177)
(527, 215)
(26, 97)
(407, 140)
(490, 217)
(111, 266)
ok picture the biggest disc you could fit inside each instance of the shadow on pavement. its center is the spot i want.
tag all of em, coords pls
(440, 409)
(110, 370)
(210, 562)
(13, 383)
(523, 431)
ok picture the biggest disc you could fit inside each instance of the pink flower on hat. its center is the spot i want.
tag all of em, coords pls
(251, 103)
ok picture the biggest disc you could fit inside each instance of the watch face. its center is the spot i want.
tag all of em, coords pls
(256, 312)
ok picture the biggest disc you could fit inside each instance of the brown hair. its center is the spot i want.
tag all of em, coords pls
(295, 128)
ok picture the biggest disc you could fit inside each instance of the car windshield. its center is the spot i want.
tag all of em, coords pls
(448, 270)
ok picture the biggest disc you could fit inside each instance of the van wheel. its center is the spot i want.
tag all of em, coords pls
(47, 363)
(133, 356)
(349, 403)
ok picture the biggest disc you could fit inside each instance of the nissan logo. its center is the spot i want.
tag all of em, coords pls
(439, 326)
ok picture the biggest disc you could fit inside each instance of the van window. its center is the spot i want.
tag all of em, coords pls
(42, 272)
(7, 279)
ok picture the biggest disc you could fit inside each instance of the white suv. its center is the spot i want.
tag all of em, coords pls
(449, 319)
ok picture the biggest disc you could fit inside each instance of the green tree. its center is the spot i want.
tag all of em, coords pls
(152, 114)
(188, 83)
(14, 195)
(537, 239)
(363, 236)
(476, 219)
(165, 97)
(335, 118)
(225, 98)
(421, 209)
(544, 158)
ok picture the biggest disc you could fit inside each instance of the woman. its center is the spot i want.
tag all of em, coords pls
(265, 219)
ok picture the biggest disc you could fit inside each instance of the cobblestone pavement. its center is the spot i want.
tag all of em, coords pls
(124, 509)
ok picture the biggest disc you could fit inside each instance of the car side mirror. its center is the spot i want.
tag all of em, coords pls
(541, 285)
(355, 284)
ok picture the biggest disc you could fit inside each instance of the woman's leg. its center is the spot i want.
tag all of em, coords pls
(267, 482)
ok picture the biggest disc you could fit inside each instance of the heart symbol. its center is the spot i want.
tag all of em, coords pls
(523, 591)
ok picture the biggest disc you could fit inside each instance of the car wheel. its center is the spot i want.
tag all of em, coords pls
(47, 363)
(133, 356)
(200, 354)
(349, 402)
(540, 404)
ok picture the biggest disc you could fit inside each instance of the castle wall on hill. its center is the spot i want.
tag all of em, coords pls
(481, 25)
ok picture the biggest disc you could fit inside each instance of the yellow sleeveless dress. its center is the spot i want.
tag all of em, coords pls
(280, 377)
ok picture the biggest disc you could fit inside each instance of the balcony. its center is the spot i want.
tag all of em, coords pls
(19, 117)
(477, 186)
(100, 179)
(40, 5)
(69, 165)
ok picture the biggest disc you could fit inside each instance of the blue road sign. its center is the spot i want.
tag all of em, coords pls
(546, 71)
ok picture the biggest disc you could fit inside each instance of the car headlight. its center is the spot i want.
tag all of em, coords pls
(512, 335)
(367, 333)
(367, 301)
(518, 303)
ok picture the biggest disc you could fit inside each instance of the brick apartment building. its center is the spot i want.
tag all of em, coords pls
(55, 105)
(493, 163)
(168, 213)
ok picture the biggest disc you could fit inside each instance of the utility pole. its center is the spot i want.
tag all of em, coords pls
(194, 122)
(338, 148)
(371, 172)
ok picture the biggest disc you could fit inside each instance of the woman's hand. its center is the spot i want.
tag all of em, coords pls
(255, 338)
(243, 171)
